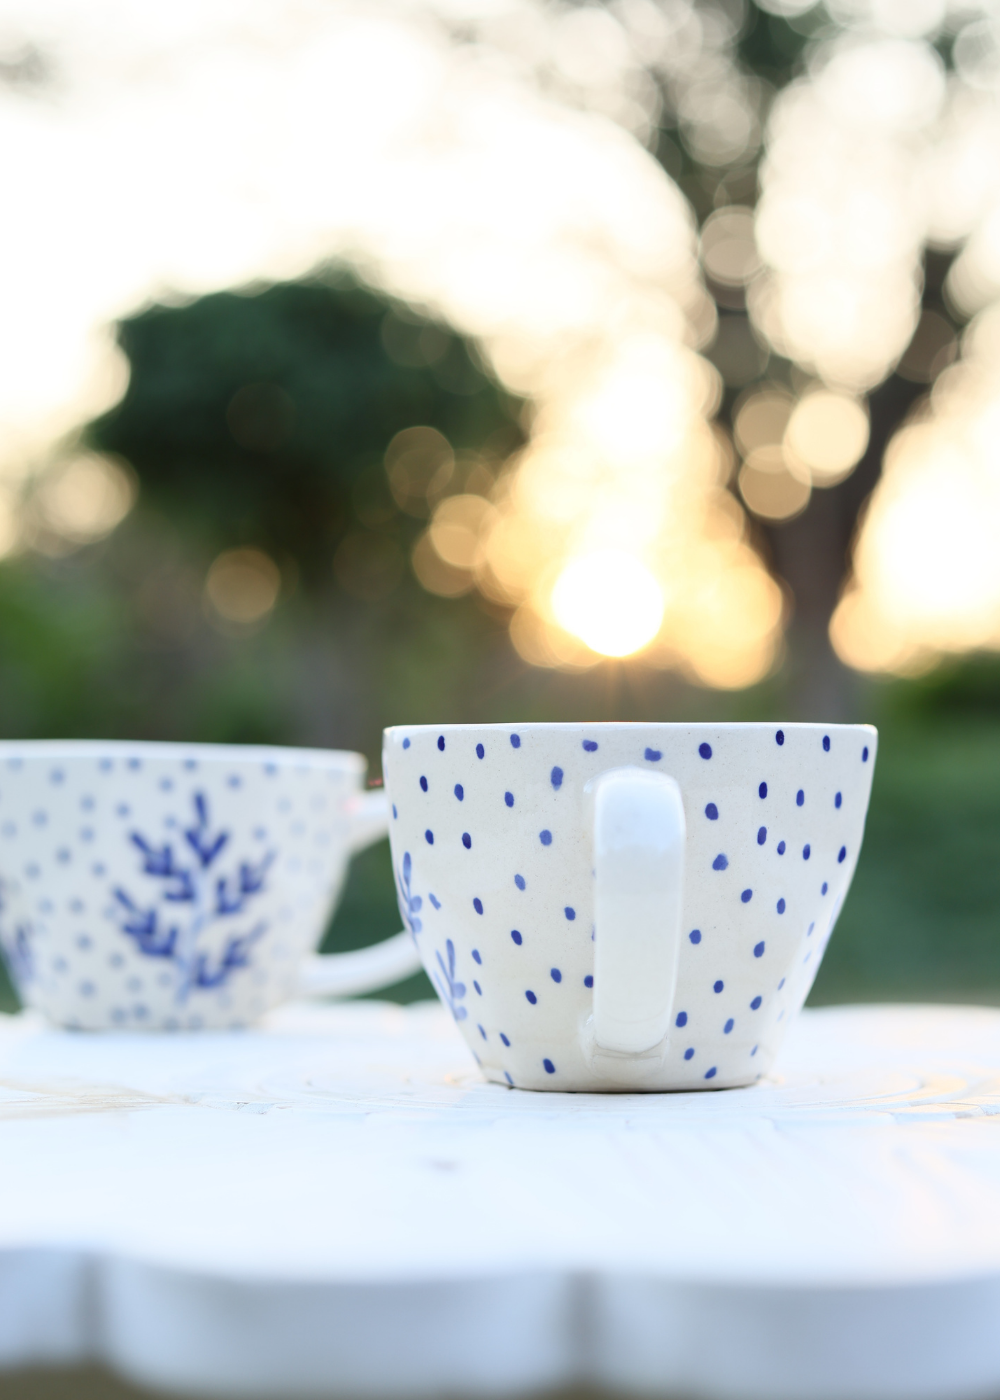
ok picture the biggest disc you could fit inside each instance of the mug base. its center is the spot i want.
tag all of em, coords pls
(570, 1085)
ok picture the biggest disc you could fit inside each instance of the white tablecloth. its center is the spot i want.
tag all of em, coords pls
(336, 1204)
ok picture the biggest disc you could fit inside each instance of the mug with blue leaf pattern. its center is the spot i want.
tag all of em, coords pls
(180, 886)
(625, 906)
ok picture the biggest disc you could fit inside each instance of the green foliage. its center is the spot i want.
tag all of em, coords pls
(922, 920)
(250, 416)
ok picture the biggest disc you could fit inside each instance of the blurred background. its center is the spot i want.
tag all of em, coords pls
(518, 359)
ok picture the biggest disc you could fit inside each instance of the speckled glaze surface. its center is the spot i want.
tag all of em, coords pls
(492, 845)
(167, 886)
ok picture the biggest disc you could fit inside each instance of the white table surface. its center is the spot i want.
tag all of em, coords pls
(336, 1204)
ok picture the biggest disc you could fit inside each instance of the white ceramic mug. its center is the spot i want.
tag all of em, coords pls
(625, 906)
(180, 886)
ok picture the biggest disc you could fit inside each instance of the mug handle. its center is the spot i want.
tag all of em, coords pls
(639, 840)
(365, 969)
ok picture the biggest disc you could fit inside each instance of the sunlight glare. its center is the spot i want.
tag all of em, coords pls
(610, 600)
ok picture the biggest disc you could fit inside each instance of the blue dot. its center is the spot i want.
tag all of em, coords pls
(689, 1053)
(507, 1076)
(711, 1073)
(755, 1004)
(712, 812)
(781, 906)
(429, 837)
(762, 790)
(476, 957)
(406, 743)
(545, 837)
(720, 862)
(549, 1067)
(531, 997)
(653, 755)
(824, 887)
(588, 981)
(515, 741)
(800, 797)
(781, 848)
(477, 904)
(508, 797)
(841, 854)
(460, 792)
(395, 814)
(864, 754)
(753, 1052)
(478, 988)
(705, 750)
(728, 1026)
(480, 751)
(695, 935)
(758, 950)
(570, 913)
(555, 974)
(441, 742)
(504, 1038)
(718, 986)
(466, 840)
(746, 896)
(779, 738)
(515, 933)
(761, 835)
(519, 881)
(806, 851)
(781, 984)
(481, 1031)
(590, 745)
(434, 900)
(556, 777)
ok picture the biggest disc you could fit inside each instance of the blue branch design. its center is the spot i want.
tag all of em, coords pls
(451, 990)
(161, 929)
(17, 947)
(410, 904)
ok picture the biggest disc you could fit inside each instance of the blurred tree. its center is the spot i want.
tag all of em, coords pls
(262, 417)
(809, 551)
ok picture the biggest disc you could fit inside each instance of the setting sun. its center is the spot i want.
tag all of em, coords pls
(610, 601)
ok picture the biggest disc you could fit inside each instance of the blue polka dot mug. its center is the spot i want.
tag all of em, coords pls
(180, 886)
(625, 906)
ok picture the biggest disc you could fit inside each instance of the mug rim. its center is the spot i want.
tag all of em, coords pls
(283, 756)
(765, 726)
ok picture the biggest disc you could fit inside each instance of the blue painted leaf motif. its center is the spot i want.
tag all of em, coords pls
(159, 933)
(235, 955)
(143, 925)
(410, 904)
(451, 990)
(17, 946)
(231, 895)
(197, 837)
(161, 864)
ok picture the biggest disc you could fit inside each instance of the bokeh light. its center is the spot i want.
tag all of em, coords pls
(826, 436)
(241, 588)
(769, 488)
(81, 499)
